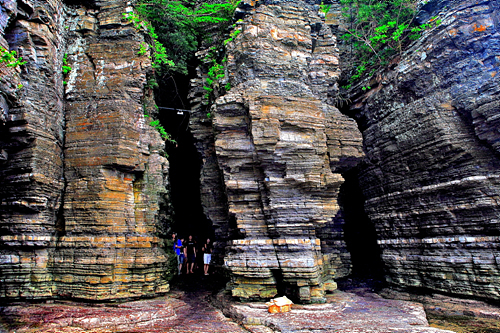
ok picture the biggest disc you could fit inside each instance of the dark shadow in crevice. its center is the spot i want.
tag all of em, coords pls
(359, 232)
(185, 191)
(280, 284)
(172, 100)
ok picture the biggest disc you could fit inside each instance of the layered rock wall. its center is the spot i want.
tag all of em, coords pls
(32, 141)
(84, 178)
(279, 147)
(430, 129)
(113, 166)
(83, 174)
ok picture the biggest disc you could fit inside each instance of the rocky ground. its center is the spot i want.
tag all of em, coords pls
(344, 312)
(192, 306)
(184, 309)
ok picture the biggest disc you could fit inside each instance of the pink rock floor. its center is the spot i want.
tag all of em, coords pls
(178, 312)
(194, 311)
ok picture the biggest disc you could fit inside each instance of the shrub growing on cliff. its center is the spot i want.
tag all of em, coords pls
(377, 30)
(65, 67)
(159, 57)
(9, 58)
(216, 74)
(178, 25)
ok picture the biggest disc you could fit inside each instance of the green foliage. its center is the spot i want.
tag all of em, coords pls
(378, 30)
(160, 57)
(416, 31)
(325, 8)
(217, 72)
(65, 68)
(232, 36)
(152, 84)
(156, 124)
(178, 24)
(9, 58)
(143, 49)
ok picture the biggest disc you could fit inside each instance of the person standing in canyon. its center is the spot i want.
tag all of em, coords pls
(207, 255)
(179, 252)
(191, 254)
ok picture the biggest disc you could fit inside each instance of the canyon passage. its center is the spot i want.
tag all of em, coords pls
(303, 177)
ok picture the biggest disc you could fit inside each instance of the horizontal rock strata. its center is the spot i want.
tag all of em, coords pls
(344, 312)
(280, 148)
(84, 175)
(430, 134)
(31, 143)
(113, 168)
(212, 193)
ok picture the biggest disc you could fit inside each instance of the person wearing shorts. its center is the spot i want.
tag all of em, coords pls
(207, 255)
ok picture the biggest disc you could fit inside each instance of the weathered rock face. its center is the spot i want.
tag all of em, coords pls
(430, 129)
(31, 148)
(84, 181)
(82, 175)
(280, 148)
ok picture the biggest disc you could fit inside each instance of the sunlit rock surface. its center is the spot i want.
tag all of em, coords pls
(82, 173)
(430, 129)
(280, 148)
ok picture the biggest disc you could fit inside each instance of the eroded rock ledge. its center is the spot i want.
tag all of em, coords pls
(83, 177)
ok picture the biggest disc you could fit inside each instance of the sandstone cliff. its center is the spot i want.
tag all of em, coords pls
(82, 172)
(429, 132)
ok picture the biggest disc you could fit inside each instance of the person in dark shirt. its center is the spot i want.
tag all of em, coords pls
(207, 255)
(191, 253)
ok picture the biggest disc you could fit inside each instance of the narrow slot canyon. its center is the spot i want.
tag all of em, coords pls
(184, 160)
(365, 191)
